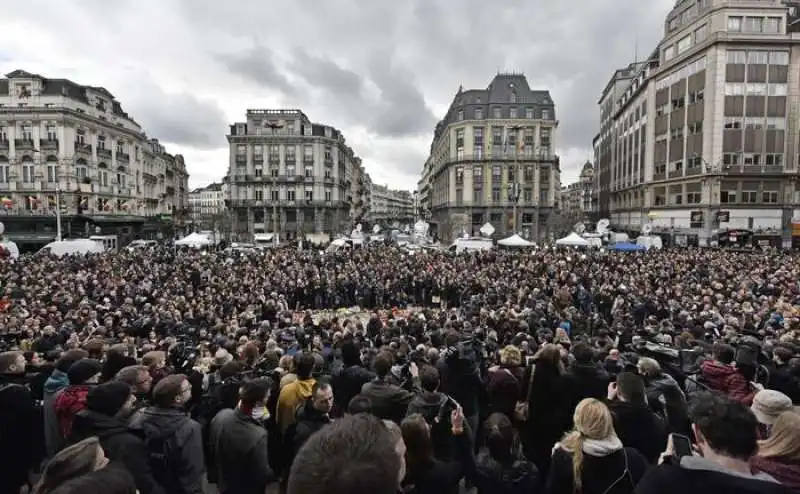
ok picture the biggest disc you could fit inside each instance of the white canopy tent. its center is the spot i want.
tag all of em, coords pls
(194, 240)
(515, 241)
(573, 240)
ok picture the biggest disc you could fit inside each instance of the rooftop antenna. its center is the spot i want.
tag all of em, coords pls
(636, 48)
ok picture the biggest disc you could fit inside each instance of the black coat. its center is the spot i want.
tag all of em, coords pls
(617, 473)
(18, 424)
(308, 421)
(517, 477)
(591, 381)
(638, 427)
(348, 383)
(389, 401)
(240, 448)
(120, 444)
(668, 478)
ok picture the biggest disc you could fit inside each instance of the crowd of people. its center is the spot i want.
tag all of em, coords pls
(558, 371)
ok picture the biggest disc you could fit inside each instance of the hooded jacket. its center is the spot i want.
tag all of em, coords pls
(696, 474)
(53, 438)
(728, 380)
(786, 473)
(171, 432)
(120, 444)
(69, 402)
(291, 397)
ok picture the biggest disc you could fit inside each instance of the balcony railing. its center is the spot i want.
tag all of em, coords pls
(4, 144)
(258, 160)
(291, 161)
(23, 143)
(274, 159)
(50, 144)
(241, 160)
(103, 153)
(83, 148)
(328, 161)
(123, 157)
(308, 160)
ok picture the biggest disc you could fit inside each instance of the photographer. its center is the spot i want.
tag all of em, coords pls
(389, 401)
(460, 371)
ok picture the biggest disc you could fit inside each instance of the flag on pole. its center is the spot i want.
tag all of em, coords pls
(51, 202)
(6, 202)
(33, 202)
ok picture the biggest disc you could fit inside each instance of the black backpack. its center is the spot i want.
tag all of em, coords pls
(160, 457)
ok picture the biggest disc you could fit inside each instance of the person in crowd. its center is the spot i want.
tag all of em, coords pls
(110, 480)
(70, 463)
(357, 453)
(551, 401)
(425, 473)
(460, 372)
(591, 379)
(351, 378)
(503, 382)
(779, 454)
(174, 441)
(727, 435)
(139, 379)
(107, 407)
(359, 404)
(18, 423)
(664, 395)
(634, 422)
(435, 407)
(312, 416)
(82, 375)
(297, 392)
(781, 376)
(592, 458)
(721, 374)
(239, 442)
(389, 401)
(768, 404)
(156, 362)
(57, 381)
(117, 358)
(501, 465)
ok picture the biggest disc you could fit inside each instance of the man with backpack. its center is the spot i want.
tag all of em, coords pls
(174, 441)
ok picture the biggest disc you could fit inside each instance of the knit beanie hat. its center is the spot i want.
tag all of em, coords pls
(109, 398)
(83, 370)
(768, 404)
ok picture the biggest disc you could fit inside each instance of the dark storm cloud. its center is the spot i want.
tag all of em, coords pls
(256, 65)
(178, 118)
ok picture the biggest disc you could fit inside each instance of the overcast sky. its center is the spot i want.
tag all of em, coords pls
(381, 71)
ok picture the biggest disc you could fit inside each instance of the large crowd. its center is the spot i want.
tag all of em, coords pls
(378, 370)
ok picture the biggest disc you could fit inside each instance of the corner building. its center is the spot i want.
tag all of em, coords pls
(494, 148)
(292, 176)
(703, 141)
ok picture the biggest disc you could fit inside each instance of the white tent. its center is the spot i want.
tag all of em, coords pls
(194, 240)
(515, 241)
(574, 240)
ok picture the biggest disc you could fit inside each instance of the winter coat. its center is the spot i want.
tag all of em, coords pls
(348, 383)
(240, 447)
(639, 428)
(436, 408)
(696, 474)
(18, 421)
(591, 380)
(290, 398)
(120, 444)
(182, 450)
(503, 389)
(69, 402)
(614, 472)
(519, 476)
(53, 438)
(786, 473)
(728, 380)
(389, 401)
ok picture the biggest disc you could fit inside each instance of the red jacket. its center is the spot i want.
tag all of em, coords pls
(726, 379)
(68, 403)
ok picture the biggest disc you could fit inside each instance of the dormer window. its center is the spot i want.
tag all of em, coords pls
(513, 95)
(23, 91)
(101, 105)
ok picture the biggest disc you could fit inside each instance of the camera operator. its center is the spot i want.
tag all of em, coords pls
(460, 371)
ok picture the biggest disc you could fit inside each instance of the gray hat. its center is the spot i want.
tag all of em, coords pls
(768, 404)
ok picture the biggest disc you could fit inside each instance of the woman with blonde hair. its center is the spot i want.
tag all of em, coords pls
(591, 459)
(70, 463)
(779, 455)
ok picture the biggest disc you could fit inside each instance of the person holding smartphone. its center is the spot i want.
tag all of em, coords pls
(726, 435)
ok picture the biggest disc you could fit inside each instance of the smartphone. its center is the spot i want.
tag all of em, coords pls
(681, 445)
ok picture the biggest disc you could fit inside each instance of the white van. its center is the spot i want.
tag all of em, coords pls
(650, 242)
(109, 241)
(471, 244)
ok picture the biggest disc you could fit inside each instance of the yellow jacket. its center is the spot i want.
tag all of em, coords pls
(292, 396)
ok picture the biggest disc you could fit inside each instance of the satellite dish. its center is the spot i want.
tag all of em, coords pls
(602, 225)
(646, 229)
(579, 228)
(376, 229)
